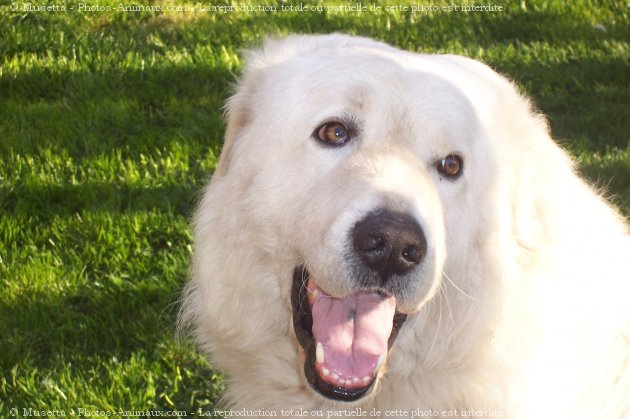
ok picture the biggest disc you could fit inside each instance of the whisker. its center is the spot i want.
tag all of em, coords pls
(459, 289)
(437, 331)
(304, 276)
(448, 305)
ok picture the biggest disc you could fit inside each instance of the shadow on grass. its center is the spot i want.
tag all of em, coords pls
(110, 322)
(113, 345)
(613, 179)
(584, 100)
(136, 112)
(54, 200)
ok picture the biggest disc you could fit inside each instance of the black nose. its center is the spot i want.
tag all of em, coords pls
(389, 243)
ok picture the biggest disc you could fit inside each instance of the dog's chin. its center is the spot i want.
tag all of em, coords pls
(346, 340)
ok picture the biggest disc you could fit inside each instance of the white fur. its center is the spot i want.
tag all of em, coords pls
(523, 308)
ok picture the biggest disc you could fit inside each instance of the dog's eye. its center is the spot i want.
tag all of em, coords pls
(451, 166)
(332, 133)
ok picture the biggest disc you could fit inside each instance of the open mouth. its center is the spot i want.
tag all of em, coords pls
(346, 340)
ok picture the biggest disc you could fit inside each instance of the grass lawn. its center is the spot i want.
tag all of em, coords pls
(110, 123)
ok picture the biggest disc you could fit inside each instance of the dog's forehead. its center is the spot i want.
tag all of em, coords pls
(358, 78)
(348, 70)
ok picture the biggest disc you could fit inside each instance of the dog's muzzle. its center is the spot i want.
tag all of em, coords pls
(347, 339)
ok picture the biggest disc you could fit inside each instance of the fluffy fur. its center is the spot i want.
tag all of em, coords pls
(522, 308)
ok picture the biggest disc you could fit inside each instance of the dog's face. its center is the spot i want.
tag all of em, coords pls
(357, 163)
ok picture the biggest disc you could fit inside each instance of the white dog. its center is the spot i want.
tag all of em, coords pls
(395, 234)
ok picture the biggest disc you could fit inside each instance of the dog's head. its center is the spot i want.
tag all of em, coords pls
(358, 166)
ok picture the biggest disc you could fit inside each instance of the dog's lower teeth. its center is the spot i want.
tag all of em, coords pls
(325, 372)
(319, 353)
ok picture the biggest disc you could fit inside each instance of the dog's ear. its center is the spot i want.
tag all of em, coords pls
(238, 107)
(237, 114)
(544, 172)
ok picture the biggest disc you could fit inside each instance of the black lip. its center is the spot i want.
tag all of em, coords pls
(303, 326)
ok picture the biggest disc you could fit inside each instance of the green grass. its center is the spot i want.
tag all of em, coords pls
(110, 123)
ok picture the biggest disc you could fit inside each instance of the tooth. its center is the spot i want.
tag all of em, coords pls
(335, 376)
(342, 381)
(366, 379)
(379, 362)
(319, 353)
(355, 380)
(312, 296)
(325, 372)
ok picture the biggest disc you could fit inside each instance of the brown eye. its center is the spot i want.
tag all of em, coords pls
(333, 133)
(451, 166)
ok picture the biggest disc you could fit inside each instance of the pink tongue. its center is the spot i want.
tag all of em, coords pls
(353, 331)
